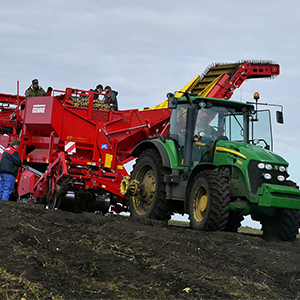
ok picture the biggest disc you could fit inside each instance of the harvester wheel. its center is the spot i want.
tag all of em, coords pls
(56, 200)
(209, 201)
(151, 201)
(50, 199)
(24, 200)
(233, 222)
(284, 225)
(101, 201)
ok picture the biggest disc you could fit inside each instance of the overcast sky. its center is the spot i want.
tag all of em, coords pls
(145, 49)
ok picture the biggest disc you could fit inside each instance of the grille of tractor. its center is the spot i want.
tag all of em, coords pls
(256, 176)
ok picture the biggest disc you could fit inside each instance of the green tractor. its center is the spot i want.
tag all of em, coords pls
(216, 164)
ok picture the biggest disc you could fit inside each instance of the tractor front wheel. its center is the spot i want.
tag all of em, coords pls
(283, 226)
(209, 201)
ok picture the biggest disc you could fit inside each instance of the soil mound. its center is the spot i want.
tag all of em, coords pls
(61, 255)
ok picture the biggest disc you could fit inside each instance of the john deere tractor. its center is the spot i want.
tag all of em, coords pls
(216, 164)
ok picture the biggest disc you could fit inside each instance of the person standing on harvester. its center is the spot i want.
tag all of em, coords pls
(98, 89)
(35, 90)
(9, 166)
(111, 97)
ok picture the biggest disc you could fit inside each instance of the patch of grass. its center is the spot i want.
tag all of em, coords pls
(240, 295)
(179, 223)
(249, 230)
(18, 287)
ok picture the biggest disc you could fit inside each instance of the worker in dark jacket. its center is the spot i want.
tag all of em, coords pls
(35, 90)
(9, 166)
(112, 99)
(98, 89)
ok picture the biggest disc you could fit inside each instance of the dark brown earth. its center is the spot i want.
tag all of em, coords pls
(61, 255)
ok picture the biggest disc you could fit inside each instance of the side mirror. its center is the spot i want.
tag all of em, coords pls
(172, 101)
(279, 117)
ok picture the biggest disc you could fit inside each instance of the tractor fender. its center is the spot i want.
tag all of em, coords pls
(201, 167)
(155, 144)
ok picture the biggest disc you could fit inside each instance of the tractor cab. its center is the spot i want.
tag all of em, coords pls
(211, 120)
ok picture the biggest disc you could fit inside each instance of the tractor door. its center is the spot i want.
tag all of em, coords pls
(209, 127)
(178, 129)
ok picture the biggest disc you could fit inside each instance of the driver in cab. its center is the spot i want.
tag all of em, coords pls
(203, 129)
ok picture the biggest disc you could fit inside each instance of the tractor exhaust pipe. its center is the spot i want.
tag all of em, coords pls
(188, 144)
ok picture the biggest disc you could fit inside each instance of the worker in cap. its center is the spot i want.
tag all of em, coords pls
(98, 89)
(9, 167)
(35, 90)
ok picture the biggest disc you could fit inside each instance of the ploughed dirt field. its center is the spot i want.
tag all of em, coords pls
(46, 254)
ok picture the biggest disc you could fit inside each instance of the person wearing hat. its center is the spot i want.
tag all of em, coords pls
(98, 89)
(9, 167)
(35, 90)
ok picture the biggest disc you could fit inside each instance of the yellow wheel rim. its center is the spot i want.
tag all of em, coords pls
(200, 203)
(143, 201)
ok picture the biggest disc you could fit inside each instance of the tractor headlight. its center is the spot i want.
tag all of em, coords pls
(280, 178)
(282, 168)
(269, 167)
(267, 176)
(261, 166)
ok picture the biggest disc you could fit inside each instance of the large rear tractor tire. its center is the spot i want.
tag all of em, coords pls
(284, 225)
(209, 201)
(151, 201)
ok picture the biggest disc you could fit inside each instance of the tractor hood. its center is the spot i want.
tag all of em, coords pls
(250, 152)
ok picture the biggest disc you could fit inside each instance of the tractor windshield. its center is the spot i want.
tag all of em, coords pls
(237, 124)
(211, 122)
(260, 130)
(219, 122)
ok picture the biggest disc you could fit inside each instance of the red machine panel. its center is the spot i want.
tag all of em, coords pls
(43, 115)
